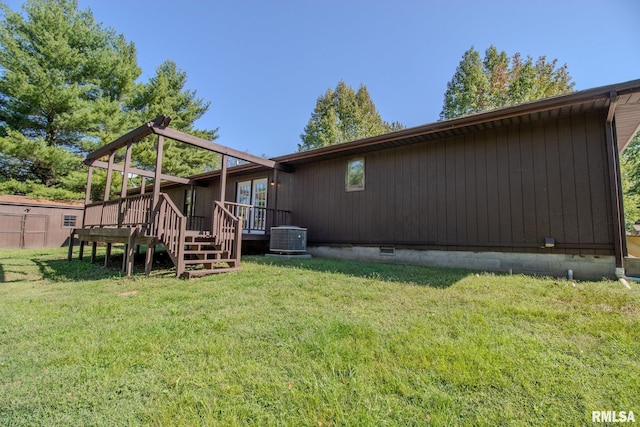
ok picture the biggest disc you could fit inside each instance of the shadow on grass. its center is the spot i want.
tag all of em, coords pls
(434, 277)
(84, 270)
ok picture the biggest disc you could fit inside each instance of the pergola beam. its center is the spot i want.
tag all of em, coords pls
(141, 172)
(211, 146)
(133, 136)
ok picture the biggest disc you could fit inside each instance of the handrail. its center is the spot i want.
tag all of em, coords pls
(259, 219)
(227, 229)
(170, 227)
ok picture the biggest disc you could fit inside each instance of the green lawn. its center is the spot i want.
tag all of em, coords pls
(310, 343)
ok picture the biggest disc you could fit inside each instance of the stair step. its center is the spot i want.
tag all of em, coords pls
(207, 261)
(201, 245)
(199, 238)
(204, 252)
(198, 273)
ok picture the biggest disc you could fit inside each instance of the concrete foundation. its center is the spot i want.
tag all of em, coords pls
(585, 267)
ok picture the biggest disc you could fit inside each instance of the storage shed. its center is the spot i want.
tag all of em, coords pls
(36, 223)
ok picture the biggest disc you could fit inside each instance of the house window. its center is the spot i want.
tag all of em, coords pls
(355, 175)
(69, 221)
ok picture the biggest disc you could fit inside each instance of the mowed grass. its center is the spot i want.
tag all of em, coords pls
(311, 342)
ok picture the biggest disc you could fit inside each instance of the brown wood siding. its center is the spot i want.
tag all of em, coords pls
(504, 188)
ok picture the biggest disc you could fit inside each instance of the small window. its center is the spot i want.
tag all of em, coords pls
(69, 221)
(355, 175)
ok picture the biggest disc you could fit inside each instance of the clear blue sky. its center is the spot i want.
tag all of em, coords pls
(263, 64)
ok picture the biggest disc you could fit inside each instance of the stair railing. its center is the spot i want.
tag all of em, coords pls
(170, 226)
(227, 229)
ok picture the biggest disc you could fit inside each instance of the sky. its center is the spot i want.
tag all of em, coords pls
(263, 64)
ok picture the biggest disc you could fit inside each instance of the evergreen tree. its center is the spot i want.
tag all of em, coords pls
(56, 63)
(499, 81)
(165, 94)
(343, 115)
(67, 86)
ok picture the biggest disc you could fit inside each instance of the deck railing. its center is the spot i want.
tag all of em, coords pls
(196, 223)
(256, 219)
(125, 212)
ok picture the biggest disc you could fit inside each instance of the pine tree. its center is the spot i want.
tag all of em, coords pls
(57, 62)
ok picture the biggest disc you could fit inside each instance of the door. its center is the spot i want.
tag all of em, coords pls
(259, 202)
(253, 193)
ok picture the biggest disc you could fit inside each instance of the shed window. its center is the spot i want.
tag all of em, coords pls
(69, 221)
(355, 175)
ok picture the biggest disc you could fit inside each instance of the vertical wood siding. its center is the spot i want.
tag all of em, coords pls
(504, 188)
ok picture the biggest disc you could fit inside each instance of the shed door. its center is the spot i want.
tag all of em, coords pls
(10, 231)
(19, 231)
(35, 231)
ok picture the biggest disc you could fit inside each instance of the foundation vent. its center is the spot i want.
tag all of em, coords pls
(387, 250)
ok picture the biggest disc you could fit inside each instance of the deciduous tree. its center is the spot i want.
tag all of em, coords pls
(496, 81)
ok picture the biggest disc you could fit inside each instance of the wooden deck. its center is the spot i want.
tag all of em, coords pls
(133, 221)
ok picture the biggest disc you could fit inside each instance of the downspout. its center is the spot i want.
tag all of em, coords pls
(619, 242)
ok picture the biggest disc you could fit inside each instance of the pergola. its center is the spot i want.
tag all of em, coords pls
(142, 225)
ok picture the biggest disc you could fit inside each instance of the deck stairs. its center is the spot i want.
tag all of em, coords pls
(202, 256)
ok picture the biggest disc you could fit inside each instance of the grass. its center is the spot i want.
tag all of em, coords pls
(311, 342)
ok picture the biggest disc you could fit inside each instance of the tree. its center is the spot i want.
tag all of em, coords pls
(630, 168)
(57, 62)
(343, 115)
(67, 86)
(499, 81)
(165, 94)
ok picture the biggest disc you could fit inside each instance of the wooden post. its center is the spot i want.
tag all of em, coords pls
(125, 172)
(70, 254)
(107, 187)
(274, 215)
(238, 243)
(143, 183)
(94, 248)
(122, 207)
(158, 172)
(223, 179)
(87, 200)
(87, 193)
(148, 261)
(129, 251)
(107, 256)
(223, 190)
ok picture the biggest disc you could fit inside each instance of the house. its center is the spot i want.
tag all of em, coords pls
(533, 188)
(36, 223)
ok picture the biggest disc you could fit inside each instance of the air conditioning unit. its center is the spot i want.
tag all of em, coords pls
(288, 239)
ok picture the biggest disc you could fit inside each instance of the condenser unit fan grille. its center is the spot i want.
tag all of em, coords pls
(288, 239)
